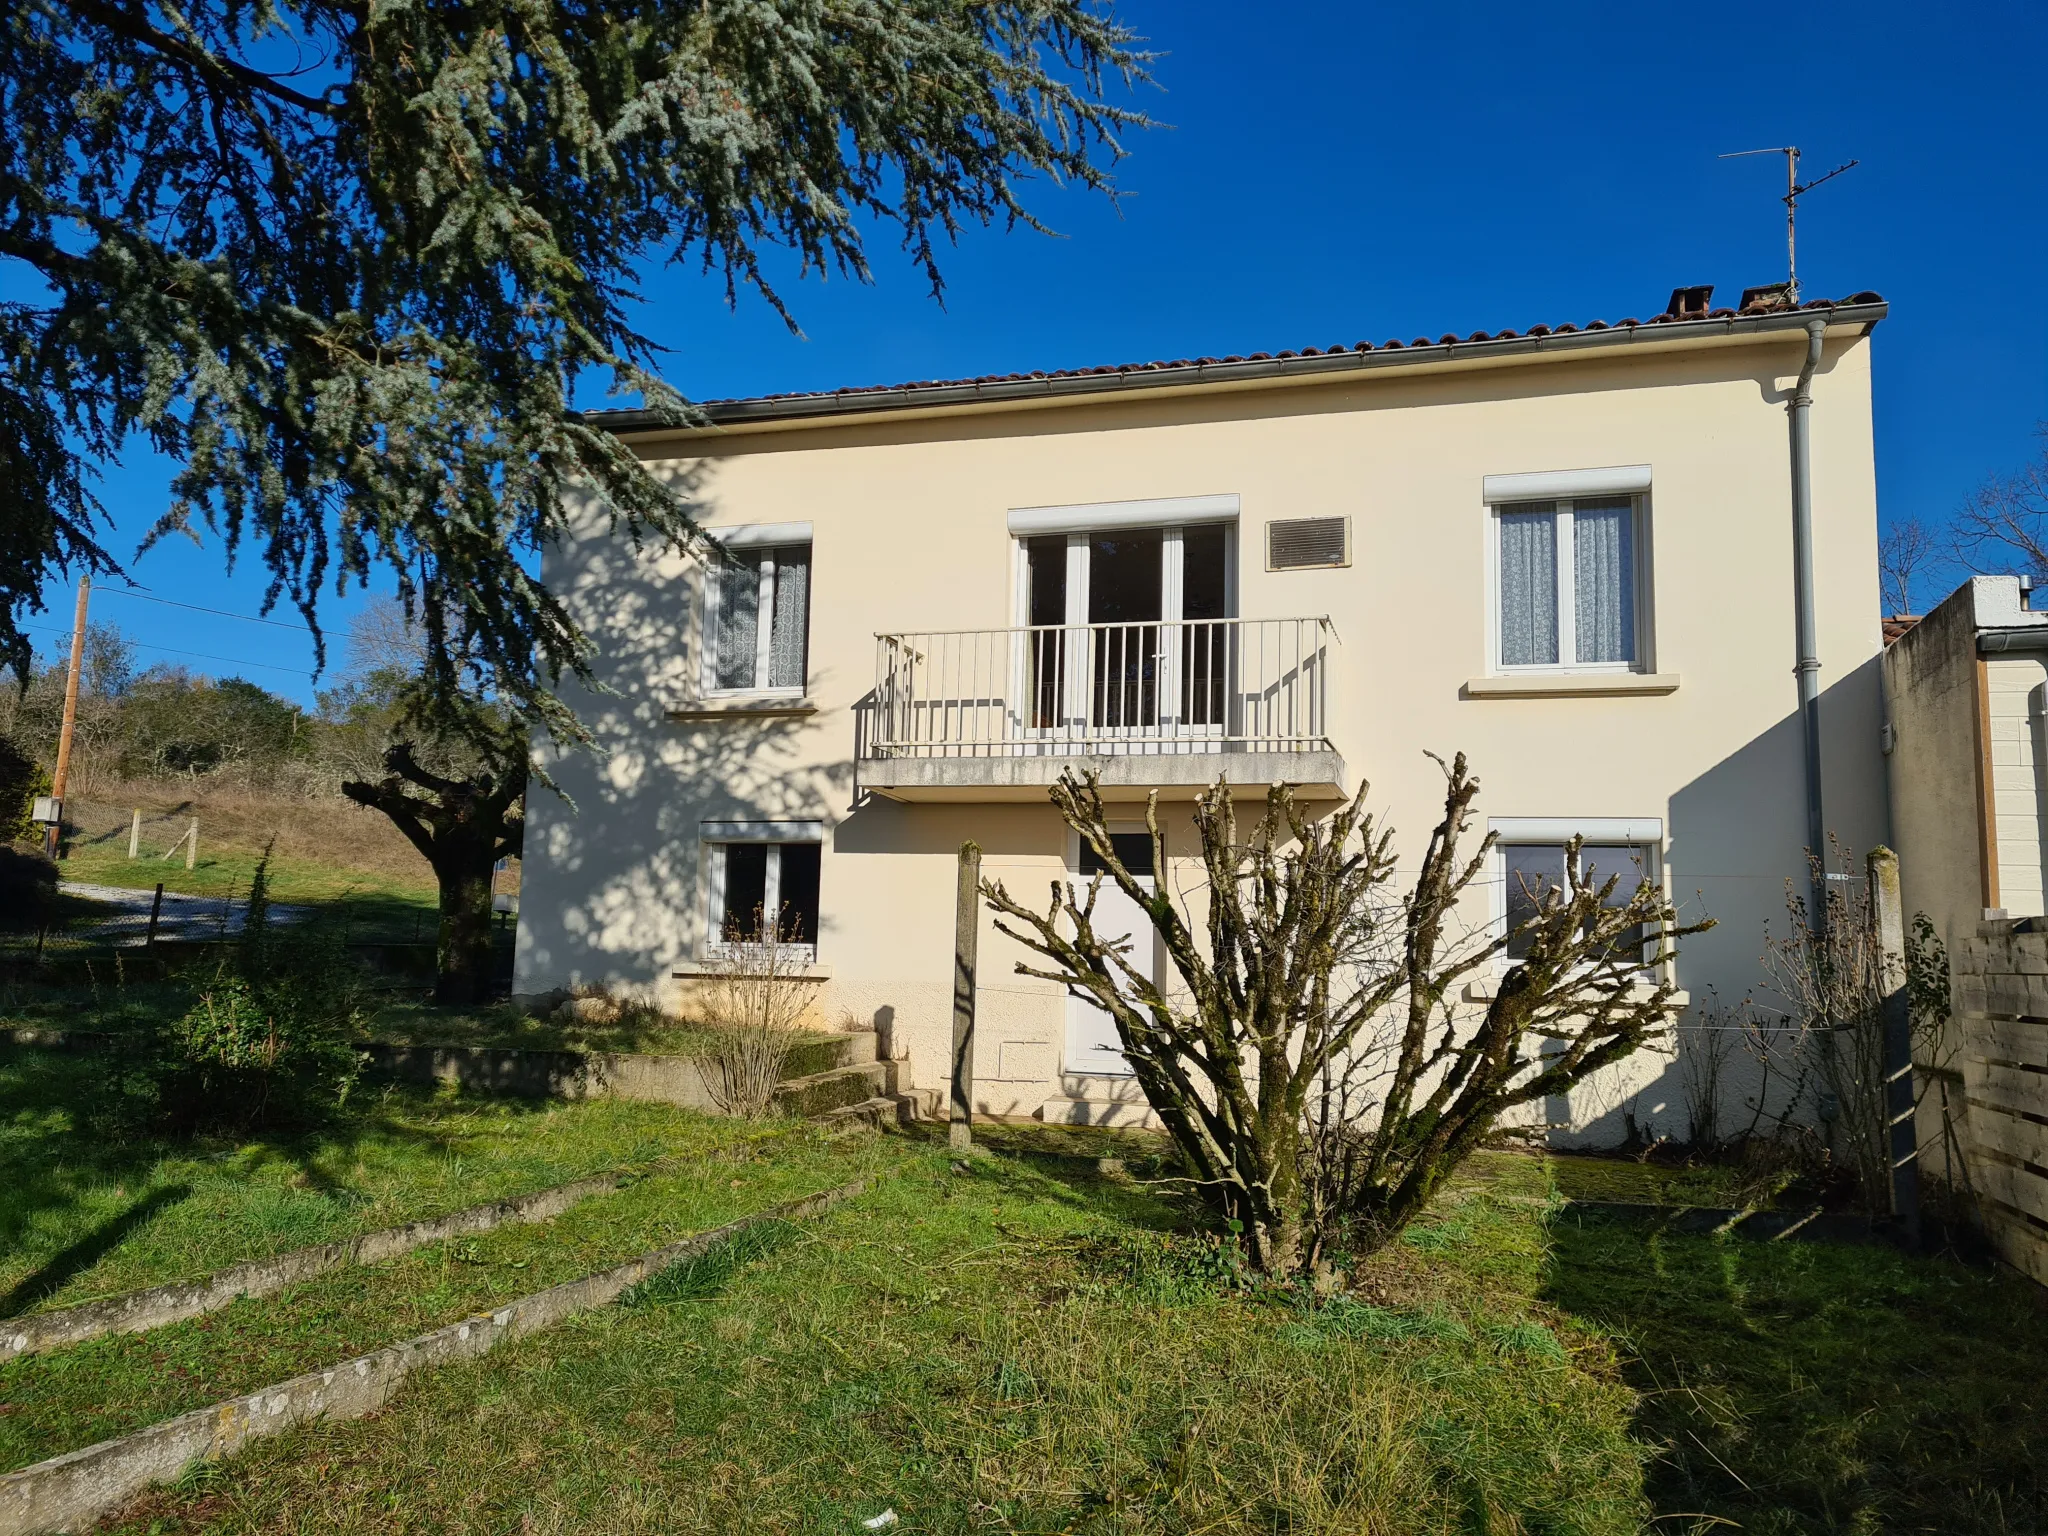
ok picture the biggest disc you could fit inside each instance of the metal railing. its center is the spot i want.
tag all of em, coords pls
(1192, 685)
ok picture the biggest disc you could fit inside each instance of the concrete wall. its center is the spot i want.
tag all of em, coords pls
(1930, 677)
(910, 534)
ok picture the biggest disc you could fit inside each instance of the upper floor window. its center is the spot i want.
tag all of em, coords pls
(757, 619)
(1569, 579)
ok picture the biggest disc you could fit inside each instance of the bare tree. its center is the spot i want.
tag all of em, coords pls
(1315, 1065)
(1907, 549)
(463, 820)
(2004, 524)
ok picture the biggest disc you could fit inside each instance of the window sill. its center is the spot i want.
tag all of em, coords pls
(689, 970)
(1483, 991)
(746, 707)
(1567, 685)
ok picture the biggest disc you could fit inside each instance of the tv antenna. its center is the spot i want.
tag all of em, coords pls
(1794, 190)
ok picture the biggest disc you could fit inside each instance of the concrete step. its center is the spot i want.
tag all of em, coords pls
(883, 1109)
(820, 1092)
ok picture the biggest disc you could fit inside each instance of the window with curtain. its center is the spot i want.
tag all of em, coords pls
(759, 620)
(1567, 583)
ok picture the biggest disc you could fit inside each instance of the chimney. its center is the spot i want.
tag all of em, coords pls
(1691, 303)
(1769, 296)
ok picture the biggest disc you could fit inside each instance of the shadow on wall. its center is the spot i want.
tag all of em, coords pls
(1737, 835)
(613, 893)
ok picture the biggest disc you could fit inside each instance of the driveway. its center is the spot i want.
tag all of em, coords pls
(182, 917)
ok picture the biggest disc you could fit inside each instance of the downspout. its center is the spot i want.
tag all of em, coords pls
(1807, 669)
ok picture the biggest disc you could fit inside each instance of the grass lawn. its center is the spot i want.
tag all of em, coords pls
(1028, 1343)
(717, 1170)
(1014, 1348)
(82, 1216)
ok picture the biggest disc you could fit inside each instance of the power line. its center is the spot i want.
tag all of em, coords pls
(220, 613)
(144, 645)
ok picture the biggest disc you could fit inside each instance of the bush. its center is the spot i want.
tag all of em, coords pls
(28, 889)
(267, 1046)
(21, 779)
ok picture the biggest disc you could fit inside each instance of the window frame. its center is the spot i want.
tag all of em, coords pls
(1644, 834)
(759, 552)
(716, 839)
(1567, 595)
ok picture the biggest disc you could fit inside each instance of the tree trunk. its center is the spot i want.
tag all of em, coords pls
(466, 959)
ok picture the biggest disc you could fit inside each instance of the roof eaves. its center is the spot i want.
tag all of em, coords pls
(1863, 309)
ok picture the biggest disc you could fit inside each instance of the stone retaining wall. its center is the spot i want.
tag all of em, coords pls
(139, 1311)
(74, 1491)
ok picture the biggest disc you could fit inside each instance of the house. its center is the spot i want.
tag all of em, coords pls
(1966, 696)
(1567, 552)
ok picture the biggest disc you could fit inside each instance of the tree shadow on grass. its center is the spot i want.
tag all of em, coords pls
(61, 1168)
(89, 1249)
(1794, 1387)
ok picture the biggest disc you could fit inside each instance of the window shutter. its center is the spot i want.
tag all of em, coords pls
(1298, 543)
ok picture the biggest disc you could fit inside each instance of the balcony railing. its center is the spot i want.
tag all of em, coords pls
(1196, 685)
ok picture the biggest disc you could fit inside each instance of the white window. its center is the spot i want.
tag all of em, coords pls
(763, 886)
(1529, 863)
(757, 614)
(1568, 584)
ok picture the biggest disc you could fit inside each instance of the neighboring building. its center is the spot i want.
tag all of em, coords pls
(1567, 553)
(1966, 695)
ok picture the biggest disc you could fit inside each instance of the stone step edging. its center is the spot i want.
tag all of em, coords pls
(140, 1311)
(73, 1491)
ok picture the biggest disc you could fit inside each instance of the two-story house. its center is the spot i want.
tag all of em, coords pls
(1567, 552)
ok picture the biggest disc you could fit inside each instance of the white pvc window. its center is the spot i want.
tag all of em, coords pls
(757, 619)
(763, 892)
(1568, 585)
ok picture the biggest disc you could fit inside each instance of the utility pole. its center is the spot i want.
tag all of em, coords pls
(966, 934)
(54, 835)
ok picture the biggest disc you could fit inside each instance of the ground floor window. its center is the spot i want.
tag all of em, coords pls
(1531, 864)
(762, 891)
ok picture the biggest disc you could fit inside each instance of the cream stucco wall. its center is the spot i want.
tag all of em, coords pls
(909, 534)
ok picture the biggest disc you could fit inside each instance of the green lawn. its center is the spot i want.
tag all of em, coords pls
(718, 1170)
(1018, 1348)
(82, 1216)
(1030, 1342)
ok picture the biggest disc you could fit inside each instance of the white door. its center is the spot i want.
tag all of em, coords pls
(1092, 1044)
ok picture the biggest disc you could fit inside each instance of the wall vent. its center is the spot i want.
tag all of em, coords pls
(1302, 543)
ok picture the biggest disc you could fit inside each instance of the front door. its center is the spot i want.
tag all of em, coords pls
(1092, 1044)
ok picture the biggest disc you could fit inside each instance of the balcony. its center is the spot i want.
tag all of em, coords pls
(993, 714)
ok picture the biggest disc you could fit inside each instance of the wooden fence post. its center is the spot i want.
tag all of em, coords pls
(192, 848)
(135, 833)
(156, 907)
(966, 934)
(1902, 1151)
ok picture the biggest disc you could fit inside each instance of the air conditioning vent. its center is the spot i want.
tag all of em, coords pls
(1301, 543)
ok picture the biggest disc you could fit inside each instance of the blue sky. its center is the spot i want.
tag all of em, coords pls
(1345, 172)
